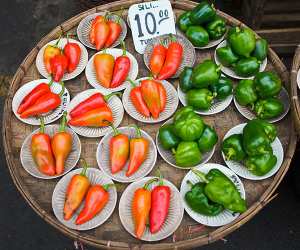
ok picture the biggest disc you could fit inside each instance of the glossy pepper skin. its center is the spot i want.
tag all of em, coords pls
(267, 84)
(268, 108)
(119, 150)
(220, 189)
(247, 66)
(242, 41)
(184, 21)
(160, 203)
(139, 148)
(96, 199)
(76, 191)
(187, 154)
(50, 52)
(102, 31)
(33, 96)
(233, 149)
(97, 100)
(197, 35)
(167, 137)
(245, 93)
(182, 113)
(261, 164)
(205, 73)
(173, 60)
(59, 65)
(104, 66)
(200, 98)
(203, 13)
(208, 139)
(115, 29)
(42, 152)
(185, 79)
(92, 31)
(261, 49)
(255, 140)
(157, 59)
(189, 128)
(222, 88)
(269, 128)
(61, 144)
(73, 52)
(199, 202)
(137, 100)
(162, 96)
(141, 205)
(216, 28)
(226, 56)
(98, 117)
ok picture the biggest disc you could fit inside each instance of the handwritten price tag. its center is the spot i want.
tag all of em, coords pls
(149, 20)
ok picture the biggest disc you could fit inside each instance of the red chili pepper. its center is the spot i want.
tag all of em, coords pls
(162, 96)
(44, 104)
(34, 94)
(173, 60)
(59, 65)
(102, 31)
(92, 31)
(121, 69)
(139, 148)
(96, 199)
(73, 52)
(49, 52)
(97, 100)
(160, 203)
(115, 31)
(137, 100)
(157, 59)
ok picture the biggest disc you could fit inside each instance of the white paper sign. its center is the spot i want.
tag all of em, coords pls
(149, 20)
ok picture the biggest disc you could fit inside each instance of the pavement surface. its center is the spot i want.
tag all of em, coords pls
(23, 24)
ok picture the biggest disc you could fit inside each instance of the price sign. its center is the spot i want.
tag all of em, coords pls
(149, 20)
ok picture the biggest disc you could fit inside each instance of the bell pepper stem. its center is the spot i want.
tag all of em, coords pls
(200, 175)
(107, 97)
(148, 183)
(62, 127)
(108, 186)
(161, 178)
(62, 89)
(138, 131)
(42, 126)
(231, 152)
(85, 166)
(173, 151)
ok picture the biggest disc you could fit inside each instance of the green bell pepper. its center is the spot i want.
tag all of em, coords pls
(187, 154)
(205, 73)
(184, 21)
(222, 88)
(226, 56)
(267, 84)
(268, 108)
(185, 79)
(208, 139)
(182, 113)
(242, 41)
(167, 137)
(261, 49)
(189, 128)
(247, 67)
(245, 93)
(220, 189)
(255, 140)
(203, 13)
(199, 202)
(197, 35)
(216, 28)
(232, 147)
(269, 128)
(261, 164)
(199, 98)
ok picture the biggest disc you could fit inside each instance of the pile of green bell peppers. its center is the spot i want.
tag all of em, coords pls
(253, 147)
(202, 24)
(187, 137)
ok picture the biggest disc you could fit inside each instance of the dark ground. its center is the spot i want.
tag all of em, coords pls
(23, 23)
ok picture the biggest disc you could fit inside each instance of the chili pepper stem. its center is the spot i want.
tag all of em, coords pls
(161, 179)
(137, 129)
(51, 82)
(57, 42)
(42, 126)
(200, 175)
(107, 97)
(123, 48)
(148, 183)
(115, 130)
(63, 123)
(131, 82)
(62, 89)
(85, 166)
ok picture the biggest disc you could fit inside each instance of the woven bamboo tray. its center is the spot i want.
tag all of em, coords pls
(111, 235)
(295, 90)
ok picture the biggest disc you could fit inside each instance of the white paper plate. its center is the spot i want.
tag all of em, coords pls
(172, 222)
(228, 71)
(114, 103)
(224, 217)
(91, 73)
(103, 161)
(67, 76)
(29, 164)
(167, 155)
(49, 117)
(241, 170)
(84, 27)
(216, 107)
(188, 57)
(171, 105)
(249, 114)
(59, 195)
(298, 79)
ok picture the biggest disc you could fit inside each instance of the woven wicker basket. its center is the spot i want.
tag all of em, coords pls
(295, 89)
(111, 235)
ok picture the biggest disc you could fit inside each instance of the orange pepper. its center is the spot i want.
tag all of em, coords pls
(102, 31)
(50, 52)
(104, 66)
